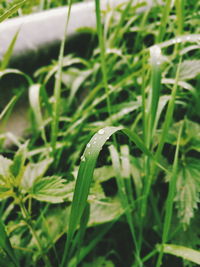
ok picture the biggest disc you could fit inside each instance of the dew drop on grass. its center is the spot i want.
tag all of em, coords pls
(101, 132)
(88, 145)
(82, 158)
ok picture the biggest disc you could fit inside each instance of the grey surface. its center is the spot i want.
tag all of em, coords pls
(40, 31)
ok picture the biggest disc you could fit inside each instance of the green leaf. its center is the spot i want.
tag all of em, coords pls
(189, 69)
(12, 10)
(104, 211)
(34, 171)
(8, 54)
(85, 175)
(190, 139)
(50, 189)
(188, 189)
(17, 165)
(5, 188)
(6, 245)
(4, 166)
(183, 252)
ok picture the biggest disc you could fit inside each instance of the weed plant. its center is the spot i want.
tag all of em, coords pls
(108, 173)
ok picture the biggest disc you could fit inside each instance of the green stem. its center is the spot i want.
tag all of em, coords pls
(170, 200)
(57, 88)
(27, 219)
(102, 54)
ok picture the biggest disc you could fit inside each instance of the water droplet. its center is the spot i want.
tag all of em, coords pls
(188, 38)
(88, 145)
(101, 132)
(94, 142)
(178, 40)
(82, 158)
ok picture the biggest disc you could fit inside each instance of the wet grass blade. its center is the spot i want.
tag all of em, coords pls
(6, 245)
(85, 175)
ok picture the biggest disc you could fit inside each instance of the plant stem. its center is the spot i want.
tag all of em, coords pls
(102, 54)
(57, 88)
(27, 220)
(170, 200)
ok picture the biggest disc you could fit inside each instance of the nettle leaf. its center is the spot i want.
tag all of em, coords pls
(33, 171)
(189, 69)
(183, 252)
(5, 189)
(50, 189)
(188, 189)
(190, 139)
(104, 211)
(4, 166)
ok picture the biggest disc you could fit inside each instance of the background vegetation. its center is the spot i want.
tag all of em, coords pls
(108, 170)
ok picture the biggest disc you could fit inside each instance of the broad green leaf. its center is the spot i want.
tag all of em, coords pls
(34, 171)
(4, 166)
(183, 252)
(6, 245)
(189, 69)
(188, 189)
(104, 211)
(50, 189)
(5, 187)
(190, 139)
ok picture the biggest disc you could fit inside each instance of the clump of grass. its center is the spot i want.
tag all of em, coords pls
(139, 86)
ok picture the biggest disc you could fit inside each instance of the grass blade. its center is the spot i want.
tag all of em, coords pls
(6, 245)
(12, 10)
(8, 54)
(170, 199)
(183, 252)
(85, 175)
(57, 87)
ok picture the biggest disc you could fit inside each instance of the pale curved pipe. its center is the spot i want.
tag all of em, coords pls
(42, 30)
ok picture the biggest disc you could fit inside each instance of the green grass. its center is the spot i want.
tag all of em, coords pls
(107, 172)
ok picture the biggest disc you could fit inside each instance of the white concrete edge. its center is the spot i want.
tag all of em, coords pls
(40, 29)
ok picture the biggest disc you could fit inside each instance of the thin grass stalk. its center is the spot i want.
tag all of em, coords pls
(164, 19)
(167, 122)
(170, 200)
(119, 27)
(102, 54)
(149, 118)
(57, 87)
(27, 219)
(124, 199)
(180, 15)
